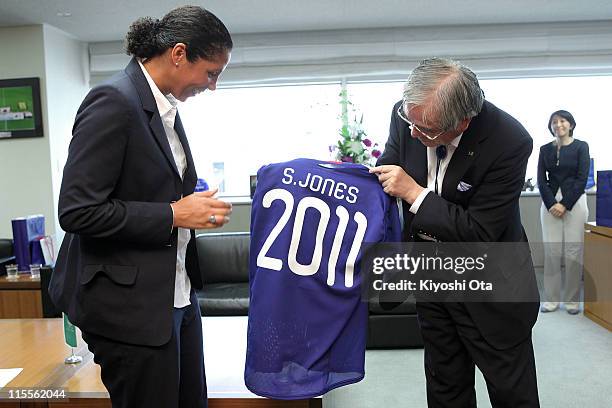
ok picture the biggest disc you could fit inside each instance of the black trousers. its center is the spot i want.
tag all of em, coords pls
(454, 346)
(168, 376)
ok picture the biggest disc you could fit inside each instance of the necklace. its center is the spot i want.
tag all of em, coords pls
(559, 145)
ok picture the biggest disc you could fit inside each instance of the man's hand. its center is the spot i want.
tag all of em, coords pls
(557, 210)
(397, 182)
(194, 211)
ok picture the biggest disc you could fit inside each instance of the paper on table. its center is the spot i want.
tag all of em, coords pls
(7, 375)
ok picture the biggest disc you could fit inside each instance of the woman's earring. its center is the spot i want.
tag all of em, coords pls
(176, 63)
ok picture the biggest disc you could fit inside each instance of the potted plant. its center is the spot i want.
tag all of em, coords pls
(353, 145)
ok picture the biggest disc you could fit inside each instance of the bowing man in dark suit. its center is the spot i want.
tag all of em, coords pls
(127, 267)
(458, 163)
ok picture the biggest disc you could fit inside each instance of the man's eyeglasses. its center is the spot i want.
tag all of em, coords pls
(425, 132)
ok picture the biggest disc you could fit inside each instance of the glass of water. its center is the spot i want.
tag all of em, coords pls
(11, 272)
(35, 271)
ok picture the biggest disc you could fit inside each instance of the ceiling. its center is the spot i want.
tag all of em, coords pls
(108, 20)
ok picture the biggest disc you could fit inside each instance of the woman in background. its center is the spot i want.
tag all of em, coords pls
(563, 168)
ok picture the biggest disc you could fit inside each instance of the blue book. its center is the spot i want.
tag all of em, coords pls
(26, 231)
(307, 321)
(21, 243)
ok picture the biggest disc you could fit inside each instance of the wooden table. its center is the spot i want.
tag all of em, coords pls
(20, 298)
(598, 274)
(37, 346)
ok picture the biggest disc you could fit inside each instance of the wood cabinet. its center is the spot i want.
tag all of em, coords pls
(598, 274)
(20, 298)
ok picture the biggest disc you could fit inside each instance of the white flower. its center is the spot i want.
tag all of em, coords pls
(356, 147)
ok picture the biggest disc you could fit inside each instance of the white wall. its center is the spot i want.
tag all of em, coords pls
(67, 73)
(25, 164)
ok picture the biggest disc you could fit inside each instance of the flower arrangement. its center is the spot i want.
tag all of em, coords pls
(353, 145)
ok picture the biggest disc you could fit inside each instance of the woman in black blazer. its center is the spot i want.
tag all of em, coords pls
(563, 168)
(127, 270)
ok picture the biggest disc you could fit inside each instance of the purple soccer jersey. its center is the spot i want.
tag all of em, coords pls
(307, 321)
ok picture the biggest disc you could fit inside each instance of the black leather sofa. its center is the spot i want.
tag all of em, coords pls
(224, 264)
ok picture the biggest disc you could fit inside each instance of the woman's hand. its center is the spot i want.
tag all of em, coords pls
(557, 210)
(200, 211)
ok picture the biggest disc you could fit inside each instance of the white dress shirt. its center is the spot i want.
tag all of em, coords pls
(432, 161)
(166, 105)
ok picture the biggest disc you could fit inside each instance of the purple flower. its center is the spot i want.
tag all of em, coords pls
(367, 142)
(376, 153)
(347, 159)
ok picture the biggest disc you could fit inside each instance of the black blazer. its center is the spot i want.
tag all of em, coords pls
(491, 157)
(569, 172)
(116, 268)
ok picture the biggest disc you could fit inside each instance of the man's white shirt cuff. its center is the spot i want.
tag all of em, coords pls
(417, 203)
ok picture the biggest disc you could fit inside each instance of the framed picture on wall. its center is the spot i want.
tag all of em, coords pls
(20, 109)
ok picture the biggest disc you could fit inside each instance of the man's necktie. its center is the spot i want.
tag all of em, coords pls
(441, 155)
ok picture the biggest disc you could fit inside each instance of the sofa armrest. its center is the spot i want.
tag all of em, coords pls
(4, 262)
(6, 248)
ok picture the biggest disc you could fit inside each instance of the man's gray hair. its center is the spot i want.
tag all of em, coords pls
(448, 90)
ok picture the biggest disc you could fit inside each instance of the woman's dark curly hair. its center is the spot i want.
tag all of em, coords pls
(200, 30)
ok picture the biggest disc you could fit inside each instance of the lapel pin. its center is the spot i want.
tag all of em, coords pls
(470, 153)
